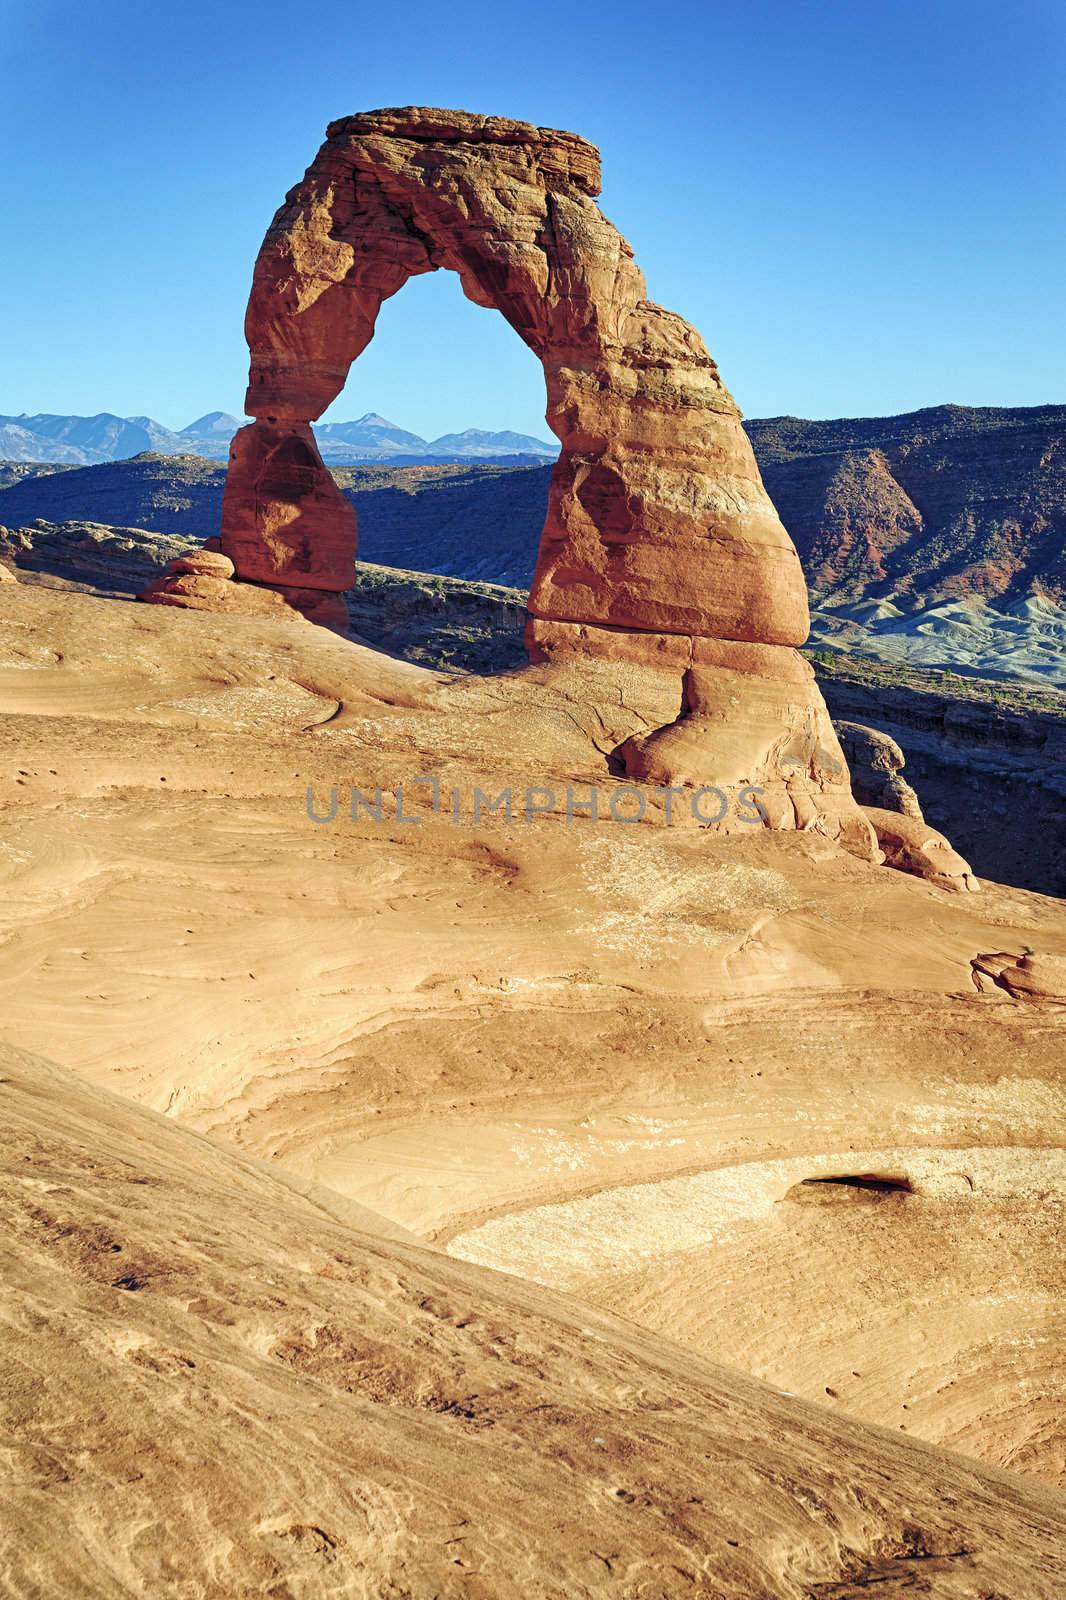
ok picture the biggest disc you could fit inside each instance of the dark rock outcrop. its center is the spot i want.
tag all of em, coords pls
(990, 771)
(949, 501)
(877, 763)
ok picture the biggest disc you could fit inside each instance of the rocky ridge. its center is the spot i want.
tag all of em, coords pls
(947, 502)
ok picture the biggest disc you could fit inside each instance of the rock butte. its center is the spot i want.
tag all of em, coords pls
(661, 556)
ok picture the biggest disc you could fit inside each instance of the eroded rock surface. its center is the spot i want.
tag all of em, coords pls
(877, 763)
(284, 519)
(282, 1393)
(1024, 977)
(911, 845)
(209, 563)
(202, 580)
(595, 1054)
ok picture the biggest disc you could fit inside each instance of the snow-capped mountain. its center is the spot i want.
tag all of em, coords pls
(86, 441)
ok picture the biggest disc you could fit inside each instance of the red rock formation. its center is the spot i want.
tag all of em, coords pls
(206, 563)
(1025, 977)
(733, 715)
(660, 542)
(283, 518)
(202, 581)
(911, 845)
(657, 516)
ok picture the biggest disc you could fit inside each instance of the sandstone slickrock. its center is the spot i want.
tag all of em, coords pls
(201, 580)
(233, 1382)
(739, 718)
(200, 590)
(1025, 977)
(591, 1054)
(209, 563)
(1037, 977)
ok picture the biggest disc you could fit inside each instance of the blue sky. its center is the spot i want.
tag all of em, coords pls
(860, 205)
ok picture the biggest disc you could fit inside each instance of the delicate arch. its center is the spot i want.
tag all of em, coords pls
(657, 518)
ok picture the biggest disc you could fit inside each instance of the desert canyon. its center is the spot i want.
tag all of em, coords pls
(529, 1133)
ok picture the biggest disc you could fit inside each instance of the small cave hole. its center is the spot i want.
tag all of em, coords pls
(881, 1182)
(849, 1186)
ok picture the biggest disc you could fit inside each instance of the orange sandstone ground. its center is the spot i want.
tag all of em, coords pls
(608, 1059)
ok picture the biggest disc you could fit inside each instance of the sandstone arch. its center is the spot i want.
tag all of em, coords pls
(661, 552)
(657, 518)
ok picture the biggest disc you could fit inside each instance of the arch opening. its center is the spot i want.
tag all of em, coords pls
(439, 362)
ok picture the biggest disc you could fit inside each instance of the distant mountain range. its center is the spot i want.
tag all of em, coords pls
(890, 515)
(88, 441)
